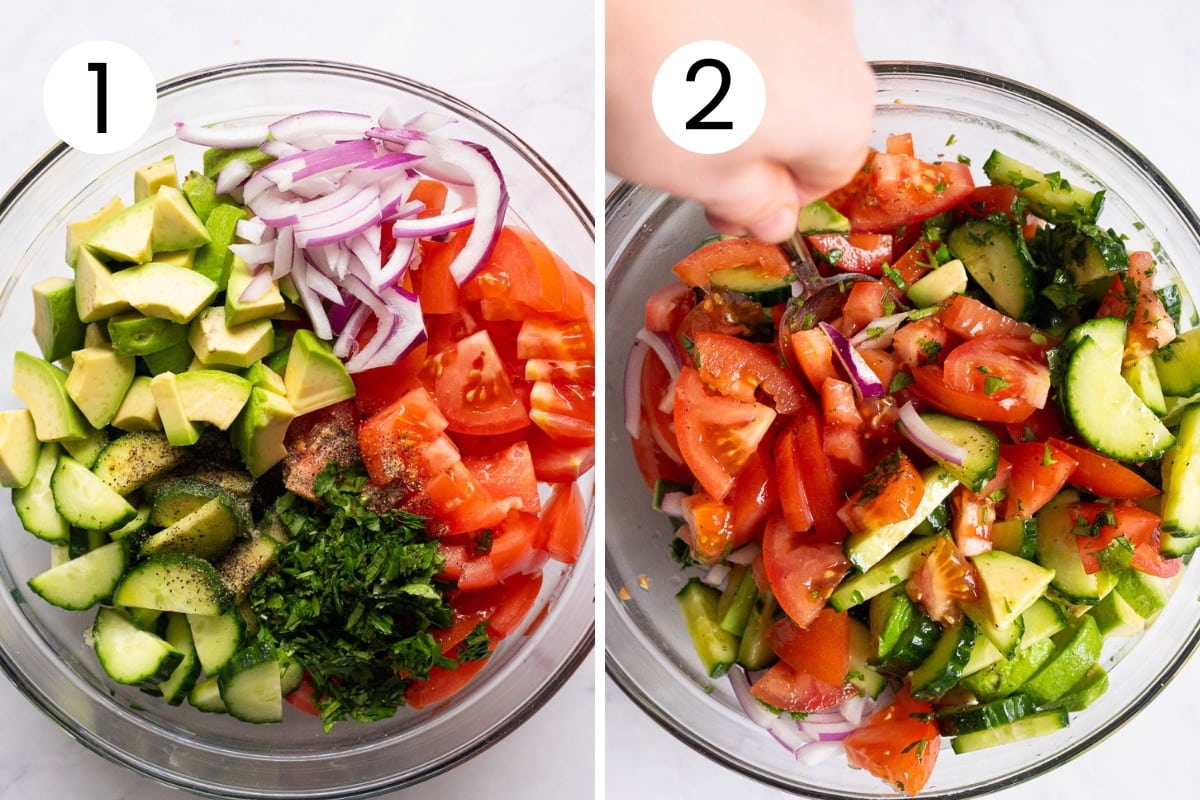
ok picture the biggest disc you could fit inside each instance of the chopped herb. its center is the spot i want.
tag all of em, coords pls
(900, 381)
(688, 345)
(475, 646)
(894, 275)
(942, 254)
(1047, 459)
(964, 159)
(951, 140)
(889, 305)
(483, 542)
(940, 187)
(931, 348)
(993, 384)
(681, 553)
(834, 256)
(1058, 182)
(1141, 226)
(808, 321)
(874, 333)
(998, 495)
(923, 716)
(1019, 181)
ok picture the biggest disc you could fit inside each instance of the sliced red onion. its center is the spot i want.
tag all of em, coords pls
(864, 379)
(398, 263)
(404, 210)
(257, 287)
(433, 226)
(667, 403)
(393, 194)
(924, 437)
(491, 201)
(310, 219)
(427, 121)
(633, 387)
(318, 162)
(285, 253)
(745, 554)
(224, 137)
(278, 149)
(407, 331)
(814, 753)
(664, 347)
(254, 254)
(400, 136)
(361, 249)
(879, 332)
(314, 125)
(253, 230)
(826, 731)
(362, 219)
(339, 313)
(232, 174)
(312, 188)
(310, 301)
(347, 341)
(756, 711)
(672, 504)
(788, 734)
(854, 709)
(320, 283)
(716, 575)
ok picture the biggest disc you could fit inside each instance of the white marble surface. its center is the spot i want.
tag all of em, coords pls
(1134, 67)
(528, 64)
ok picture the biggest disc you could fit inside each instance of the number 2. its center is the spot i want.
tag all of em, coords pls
(699, 121)
(101, 70)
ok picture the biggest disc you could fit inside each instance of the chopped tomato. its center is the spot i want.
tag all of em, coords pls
(969, 318)
(972, 516)
(898, 743)
(814, 354)
(809, 489)
(514, 547)
(477, 574)
(924, 341)
(436, 287)
(564, 340)
(1039, 426)
(789, 689)
(845, 447)
(709, 531)
(754, 496)
(1148, 558)
(918, 259)
(461, 503)
(442, 683)
(1104, 523)
(822, 649)
(726, 253)
(1132, 298)
(864, 253)
(560, 460)
(882, 363)
(508, 474)
(901, 190)
(716, 434)
(1039, 471)
(720, 312)
(505, 605)
(1102, 475)
(511, 273)
(667, 307)
(564, 524)
(656, 383)
(472, 388)
(1000, 367)
(446, 329)
(552, 371)
(564, 410)
(839, 405)
(890, 492)
(986, 201)
(866, 302)
(303, 697)
(390, 439)
(375, 388)
(801, 575)
(652, 463)
(900, 144)
(930, 385)
(943, 582)
(738, 369)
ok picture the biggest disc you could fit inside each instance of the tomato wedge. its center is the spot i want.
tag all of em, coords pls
(943, 582)
(864, 253)
(821, 650)
(667, 307)
(1000, 367)
(809, 489)
(801, 575)
(473, 389)
(901, 190)
(1133, 299)
(1102, 475)
(787, 688)
(1105, 523)
(737, 369)
(726, 253)
(564, 526)
(930, 385)
(1039, 471)
(898, 743)
(890, 492)
(969, 318)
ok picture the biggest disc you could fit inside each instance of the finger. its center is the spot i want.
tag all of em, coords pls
(759, 197)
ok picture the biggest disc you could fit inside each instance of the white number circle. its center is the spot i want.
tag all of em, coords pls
(709, 97)
(99, 97)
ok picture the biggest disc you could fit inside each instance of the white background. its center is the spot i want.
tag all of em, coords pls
(528, 64)
(1136, 68)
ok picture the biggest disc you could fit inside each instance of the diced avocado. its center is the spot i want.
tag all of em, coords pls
(259, 430)
(177, 258)
(148, 179)
(211, 395)
(213, 259)
(43, 388)
(179, 429)
(947, 280)
(19, 448)
(315, 377)
(165, 291)
(1076, 651)
(127, 236)
(201, 193)
(172, 359)
(56, 324)
(176, 226)
(1146, 594)
(95, 335)
(897, 567)
(238, 311)
(218, 345)
(1115, 617)
(869, 547)
(820, 217)
(1089, 689)
(81, 230)
(133, 334)
(138, 411)
(96, 296)
(98, 381)
(278, 360)
(1009, 584)
(87, 449)
(260, 374)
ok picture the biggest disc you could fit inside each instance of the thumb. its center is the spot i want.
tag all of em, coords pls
(760, 197)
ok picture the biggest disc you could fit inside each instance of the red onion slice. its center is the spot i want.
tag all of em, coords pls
(361, 249)
(745, 554)
(278, 149)
(320, 283)
(433, 226)
(224, 137)
(427, 121)
(716, 575)
(347, 341)
(340, 231)
(285, 253)
(253, 230)
(491, 201)
(756, 711)
(826, 731)
(232, 174)
(315, 125)
(672, 504)
(814, 753)
(664, 347)
(254, 254)
(257, 287)
(401, 136)
(878, 333)
(924, 437)
(397, 264)
(864, 379)
(309, 300)
(788, 735)
(667, 403)
(854, 709)
(633, 387)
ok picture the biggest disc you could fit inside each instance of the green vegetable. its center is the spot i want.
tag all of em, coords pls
(352, 598)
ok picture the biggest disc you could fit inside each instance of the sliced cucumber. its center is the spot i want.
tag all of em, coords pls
(87, 449)
(250, 685)
(981, 445)
(1049, 195)
(1034, 725)
(754, 650)
(129, 654)
(943, 667)
(1016, 536)
(206, 696)
(207, 532)
(890, 614)
(999, 262)
(1089, 689)
(1178, 364)
(1077, 650)
(85, 501)
(177, 687)
(868, 548)
(131, 460)
(861, 674)
(1142, 377)
(245, 561)
(896, 568)
(820, 217)
(915, 645)
(749, 279)
(34, 503)
(217, 638)
(737, 602)
(184, 584)
(1002, 678)
(716, 647)
(1181, 479)
(956, 720)
(1056, 550)
(84, 581)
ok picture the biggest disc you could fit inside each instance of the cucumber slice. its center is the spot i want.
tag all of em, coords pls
(87, 449)
(915, 645)
(130, 655)
(175, 688)
(250, 685)
(740, 603)
(1016, 536)
(983, 449)
(217, 638)
(1006, 639)
(1076, 652)
(868, 548)
(84, 581)
(754, 651)
(999, 262)
(134, 526)
(245, 561)
(1181, 479)
(206, 696)
(1050, 196)
(207, 532)
(1056, 550)
(956, 720)
(820, 217)
(891, 613)
(941, 670)
(84, 500)
(34, 503)
(861, 674)
(1142, 377)
(1178, 364)
(750, 280)
(131, 460)
(896, 568)
(716, 647)
(291, 675)
(1089, 689)
(184, 584)
(1034, 725)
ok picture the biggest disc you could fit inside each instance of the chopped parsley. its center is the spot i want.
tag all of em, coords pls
(894, 275)
(993, 384)
(931, 348)
(964, 159)
(951, 140)
(475, 646)
(681, 554)
(900, 381)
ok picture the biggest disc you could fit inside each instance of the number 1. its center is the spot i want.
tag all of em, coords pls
(101, 70)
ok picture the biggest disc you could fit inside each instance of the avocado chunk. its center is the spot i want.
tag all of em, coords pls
(127, 236)
(201, 194)
(56, 324)
(1076, 652)
(238, 311)
(177, 258)
(133, 334)
(259, 430)
(171, 359)
(1115, 617)
(211, 395)
(138, 411)
(98, 381)
(315, 377)
(19, 448)
(213, 259)
(179, 429)
(148, 179)
(81, 230)
(176, 226)
(260, 374)
(42, 387)
(218, 345)
(95, 335)
(165, 291)
(1009, 585)
(96, 296)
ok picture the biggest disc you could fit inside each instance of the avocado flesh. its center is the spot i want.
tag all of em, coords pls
(127, 236)
(259, 430)
(212, 396)
(176, 226)
(56, 324)
(148, 179)
(218, 345)
(42, 387)
(138, 411)
(81, 230)
(165, 291)
(98, 381)
(96, 296)
(315, 377)
(179, 429)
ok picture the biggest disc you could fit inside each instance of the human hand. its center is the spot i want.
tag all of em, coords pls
(813, 135)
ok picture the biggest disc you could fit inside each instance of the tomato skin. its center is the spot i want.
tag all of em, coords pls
(376, 388)
(1149, 559)
(839, 405)
(888, 744)
(564, 524)
(809, 489)
(890, 493)
(863, 253)
(562, 460)
(460, 503)
(1000, 367)
(737, 369)
(436, 288)
(514, 546)
(922, 342)
(472, 389)
(1039, 426)
(389, 439)
(1149, 325)
(969, 318)
(790, 689)
(930, 385)
(1102, 475)
(801, 575)
(564, 410)
(1034, 481)
(303, 697)
(984, 201)
(821, 650)
(562, 340)
(901, 190)
(442, 683)
(900, 144)
(755, 496)
(508, 474)
(1136, 524)
(918, 259)
(814, 354)
(973, 515)
(709, 531)
(667, 307)
(505, 605)
(695, 268)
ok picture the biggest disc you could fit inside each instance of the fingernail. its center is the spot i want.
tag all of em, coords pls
(778, 226)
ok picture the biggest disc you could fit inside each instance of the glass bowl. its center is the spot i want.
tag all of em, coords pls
(648, 652)
(42, 648)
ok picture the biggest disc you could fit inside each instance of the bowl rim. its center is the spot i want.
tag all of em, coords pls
(579, 209)
(612, 667)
